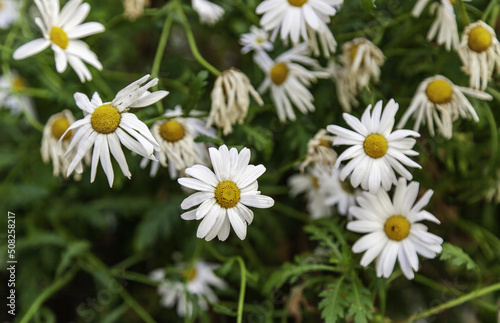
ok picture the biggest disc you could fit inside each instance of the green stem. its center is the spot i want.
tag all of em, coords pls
(488, 10)
(494, 138)
(243, 284)
(192, 42)
(159, 54)
(463, 12)
(58, 284)
(454, 302)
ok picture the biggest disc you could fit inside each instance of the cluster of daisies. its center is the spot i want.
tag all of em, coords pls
(356, 183)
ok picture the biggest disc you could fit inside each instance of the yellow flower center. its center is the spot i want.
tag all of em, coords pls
(59, 37)
(324, 143)
(297, 3)
(347, 187)
(59, 127)
(19, 83)
(315, 182)
(397, 228)
(189, 274)
(105, 119)
(227, 194)
(452, 1)
(172, 131)
(375, 145)
(279, 73)
(260, 40)
(479, 39)
(439, 91)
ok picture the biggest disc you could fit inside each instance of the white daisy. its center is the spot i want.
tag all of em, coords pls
(295, 17)
(9, 13)
(439, 102)
(289, 81)
(339, 192)
(257, 39)
(54, 129)
(326, 40)
(199, 281)
(11, 88)
(209, 12)
(319, 151)
(376, 151)
(479, 51)
(312, 185)
(393, 229)
(176, 135)
(61, 31)
(445, 24)
(231, 99)
(224, 194)
(106, 125)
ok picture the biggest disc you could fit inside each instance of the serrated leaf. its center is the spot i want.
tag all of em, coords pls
(368, 5)
(360, 302)
(261, 138)
(196, 89)
(333, 303)
(456, 256)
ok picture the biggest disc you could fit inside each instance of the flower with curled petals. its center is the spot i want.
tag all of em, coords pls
(62, 30)
(392, 229)
(375, 150)
(108, 125)
(225, 193)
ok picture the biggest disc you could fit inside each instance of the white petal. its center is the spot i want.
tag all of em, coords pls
(86, 29)
(195, 184)
(239, 226)
(258, 201)
(195, 199)
(202, 173)
(31, 48)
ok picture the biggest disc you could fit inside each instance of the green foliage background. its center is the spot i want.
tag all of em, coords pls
(80, 241)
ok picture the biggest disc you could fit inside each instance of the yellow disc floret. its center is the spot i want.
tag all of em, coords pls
(189, 274)
(59, 126)
(19, 83)
(479, 39)
(375, 145)
(397, 228)
(279, 73)
(439, 91)
(105, 119)
(353, 52)
(347, 187)
(227, 194)
(324, 143)
(59, 37)
(172, 131)
(297, 3)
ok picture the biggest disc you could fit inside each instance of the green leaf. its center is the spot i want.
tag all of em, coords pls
(292, 272)
(457, 257)
(196, 89)
(368, 5)
(74, 250)
(360, 302)
(261, 138)
(333, 303)
(203, 138)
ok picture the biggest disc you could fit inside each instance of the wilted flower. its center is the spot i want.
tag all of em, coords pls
(319, 151)
(438, 102)
(209, 12)
(134, 8)
(230, 100)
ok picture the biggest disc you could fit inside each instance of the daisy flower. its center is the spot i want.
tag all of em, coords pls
(231, 99)
(479, 51)
(257, 39)
(9, 13)
(54, 129)
(106, 125)
(319, 151)
(439, 102)
(225, 193)
(295, 17)
(445, 24)
(176, 135)
(375, 150)
(11, 87)
(209, 12)
(339, 192)
(199, 280)
(393, 231)
(312, 184)
(289, 81)
(62, 31)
